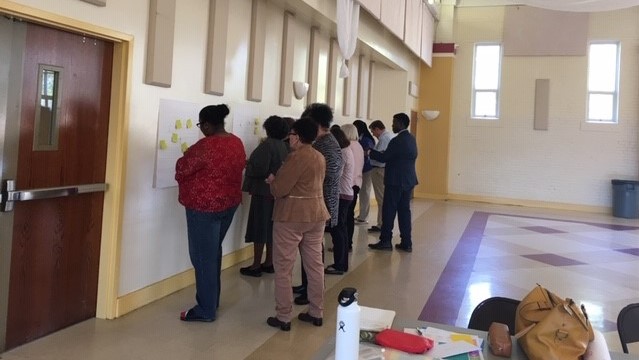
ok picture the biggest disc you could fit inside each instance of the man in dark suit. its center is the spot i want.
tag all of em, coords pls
(399, 180)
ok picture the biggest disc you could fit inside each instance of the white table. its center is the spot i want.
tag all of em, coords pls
(328, 348)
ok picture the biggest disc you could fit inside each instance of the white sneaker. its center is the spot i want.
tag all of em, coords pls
(360, 222)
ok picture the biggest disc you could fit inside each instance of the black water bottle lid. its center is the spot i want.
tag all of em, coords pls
(347, 296)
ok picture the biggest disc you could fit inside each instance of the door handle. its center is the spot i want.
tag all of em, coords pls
(9, 194)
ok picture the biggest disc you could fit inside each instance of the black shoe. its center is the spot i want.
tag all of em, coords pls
(267, 269)
(275, 322)
(381, 246)
(249, 271)
(404, 248)
(189, 315)
(374, 229)
(306, 317)
(299, 289)
(301, 300)
(332, 270)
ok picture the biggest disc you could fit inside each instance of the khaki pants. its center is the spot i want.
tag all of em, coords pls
(377, 178)
(365, 196)
(288, 237)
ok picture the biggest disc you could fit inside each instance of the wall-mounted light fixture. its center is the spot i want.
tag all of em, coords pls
(430, 114)
(300, 89)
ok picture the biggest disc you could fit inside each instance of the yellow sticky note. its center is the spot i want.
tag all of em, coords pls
(257, 121)
(163, 145)
(178, 124)
(189, 123)
(174, 138)
(185, 147)
(463, 337)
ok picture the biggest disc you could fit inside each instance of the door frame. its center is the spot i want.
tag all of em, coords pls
(115, 177)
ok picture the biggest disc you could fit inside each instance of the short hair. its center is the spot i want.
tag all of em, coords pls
(350, 131)
(289, 121)
(306, 129)
(377, 124)
(275, 127)
(321, 113)
(214, 114)
(403, 119)
(341, 138)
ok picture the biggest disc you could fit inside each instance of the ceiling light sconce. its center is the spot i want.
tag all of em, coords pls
(300, 89)
(430, 114)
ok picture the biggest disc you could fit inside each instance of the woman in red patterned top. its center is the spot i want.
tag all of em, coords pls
(209, 176)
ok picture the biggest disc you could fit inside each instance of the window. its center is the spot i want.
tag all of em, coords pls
(486, 70)
(603, 82)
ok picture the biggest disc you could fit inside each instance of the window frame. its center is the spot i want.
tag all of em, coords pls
(615, 93)
(475, 90)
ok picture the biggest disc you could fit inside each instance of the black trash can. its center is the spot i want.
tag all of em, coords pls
(625, 200)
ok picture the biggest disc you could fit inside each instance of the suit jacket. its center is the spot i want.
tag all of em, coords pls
(297, 187)
(400, 156)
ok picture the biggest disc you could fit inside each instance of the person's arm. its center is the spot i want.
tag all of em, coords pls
(287, 176)
(392, 151)
(190, 163)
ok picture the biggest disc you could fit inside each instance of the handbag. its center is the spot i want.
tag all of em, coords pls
(499, 339)
(409, 343)
(551, 328)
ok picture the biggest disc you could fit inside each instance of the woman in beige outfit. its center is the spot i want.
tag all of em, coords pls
(299, 216)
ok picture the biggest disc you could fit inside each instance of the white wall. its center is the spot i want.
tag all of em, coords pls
(571, 163)
(153, 244)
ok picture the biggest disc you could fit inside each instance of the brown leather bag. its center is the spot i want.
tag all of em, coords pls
(551, 328)
(499, 339)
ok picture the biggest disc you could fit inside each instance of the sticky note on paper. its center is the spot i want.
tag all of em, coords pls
(174, 138)
(189, 123)
(178, 124)
(185, 147)
(163, 145)
(463, 337)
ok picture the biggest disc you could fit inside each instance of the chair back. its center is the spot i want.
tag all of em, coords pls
(494, 309)
(628, 325)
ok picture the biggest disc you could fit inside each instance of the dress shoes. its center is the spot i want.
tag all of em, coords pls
(404, 248)
(299, 289)
(275, 322)
(301, 300)
(249, 271)
(332, 270)
(381, 246)
(190, 315)
(267, 268)
(306, 317)
(374, 228)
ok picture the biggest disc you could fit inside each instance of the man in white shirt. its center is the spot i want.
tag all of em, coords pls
(377, 174)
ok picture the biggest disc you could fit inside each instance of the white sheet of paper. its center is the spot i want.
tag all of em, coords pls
(375, 319)
(452, 348)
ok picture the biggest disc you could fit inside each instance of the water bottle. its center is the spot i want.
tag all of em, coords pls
(347, 329)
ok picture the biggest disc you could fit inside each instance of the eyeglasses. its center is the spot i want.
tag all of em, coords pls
(199, 124)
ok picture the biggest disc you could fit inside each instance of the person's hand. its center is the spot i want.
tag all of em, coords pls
(269, 179)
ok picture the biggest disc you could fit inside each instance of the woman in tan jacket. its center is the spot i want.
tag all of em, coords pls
(298, 223)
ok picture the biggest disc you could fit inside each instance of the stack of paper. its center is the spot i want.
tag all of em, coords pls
(450, 345)
(373, 319)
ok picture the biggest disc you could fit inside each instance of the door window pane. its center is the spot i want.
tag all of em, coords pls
(46, 129)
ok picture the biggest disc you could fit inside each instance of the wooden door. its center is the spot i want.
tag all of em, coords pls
(56, 241)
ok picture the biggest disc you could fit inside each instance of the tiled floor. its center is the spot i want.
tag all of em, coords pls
(462, 253)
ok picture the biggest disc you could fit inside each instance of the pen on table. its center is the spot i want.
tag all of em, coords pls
(419, 331)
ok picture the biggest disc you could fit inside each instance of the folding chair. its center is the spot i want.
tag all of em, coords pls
(494, 309)
(628, 325)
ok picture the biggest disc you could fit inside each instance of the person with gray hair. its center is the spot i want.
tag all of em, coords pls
(358, 156)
